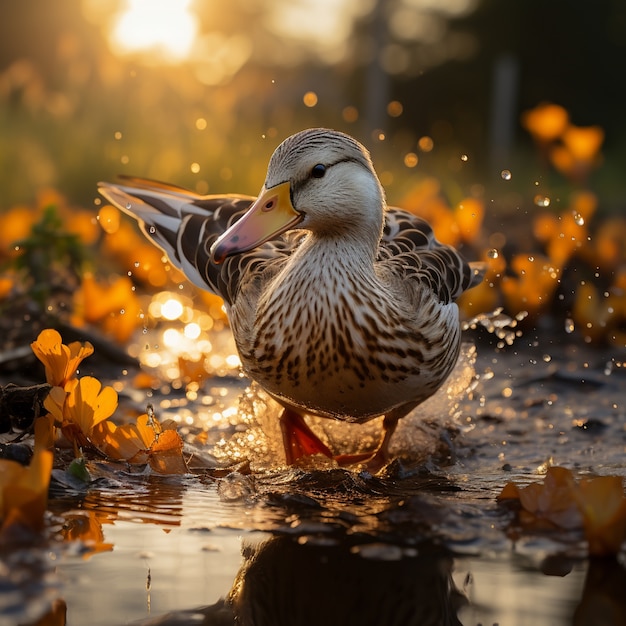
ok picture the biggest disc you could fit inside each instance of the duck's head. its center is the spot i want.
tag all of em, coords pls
(320, 180)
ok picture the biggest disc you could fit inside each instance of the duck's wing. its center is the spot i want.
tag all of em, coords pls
(185, 225)
(410, 251)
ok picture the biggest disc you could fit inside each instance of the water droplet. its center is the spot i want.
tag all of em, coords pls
(547, 358)
(493, 253)
(542, 201)
(152, 230)
(136, 263)
(506, 174)
(129, 206)
(569, 325)
(464, 158)
(579, 219)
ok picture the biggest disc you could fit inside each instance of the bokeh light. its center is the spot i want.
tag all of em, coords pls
(163, 30)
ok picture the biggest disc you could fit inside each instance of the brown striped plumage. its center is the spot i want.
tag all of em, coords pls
(350, 313)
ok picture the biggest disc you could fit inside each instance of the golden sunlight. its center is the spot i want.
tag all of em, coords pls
(164, 29)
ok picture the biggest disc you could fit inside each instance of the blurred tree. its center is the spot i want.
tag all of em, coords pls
(72, 111)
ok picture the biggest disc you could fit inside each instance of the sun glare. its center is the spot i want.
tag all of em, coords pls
(164, 29)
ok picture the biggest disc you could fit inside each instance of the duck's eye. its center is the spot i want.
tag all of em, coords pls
(318, 170)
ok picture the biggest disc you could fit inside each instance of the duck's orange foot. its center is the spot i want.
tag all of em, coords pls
(371, 461)
(374, 460)
(299, 440)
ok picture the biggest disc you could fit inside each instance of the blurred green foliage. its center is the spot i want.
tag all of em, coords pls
(50, 258)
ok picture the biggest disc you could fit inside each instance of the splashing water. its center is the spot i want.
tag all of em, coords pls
(257, 436)
(504, 327)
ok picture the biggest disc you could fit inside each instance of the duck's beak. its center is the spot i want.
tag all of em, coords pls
(271, 214)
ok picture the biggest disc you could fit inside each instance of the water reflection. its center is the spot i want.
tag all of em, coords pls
(146, 499)
(380, 562)
(603, 602)
(82, 519)
(287, 582)
(153, 501)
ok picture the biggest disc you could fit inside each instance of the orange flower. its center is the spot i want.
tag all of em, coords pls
(566, 234)
(82, 408)
(603, 506)
(546, 122)
(146, 441)
(469, 218)
(583, 143)
(425, 200)
(132, 250)
(84, 226)
(24, 491)
(86, 527)
(532, 290)
(597, 315)
(595, 505)
(579, 153)
(115, 307)
(485, 296)
(60, 361)
(97, 301)
(109, 219)
(6, 286)
(15, 225)
(552, 501)
(607, 250)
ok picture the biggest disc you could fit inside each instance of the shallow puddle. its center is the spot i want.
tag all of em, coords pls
(424, 542)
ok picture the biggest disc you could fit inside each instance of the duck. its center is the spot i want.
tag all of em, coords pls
(340, 306)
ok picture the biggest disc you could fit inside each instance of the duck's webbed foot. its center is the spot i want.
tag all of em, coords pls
(376, 460)
(299, 440)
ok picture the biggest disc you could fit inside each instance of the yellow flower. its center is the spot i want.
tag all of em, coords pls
(60, 361)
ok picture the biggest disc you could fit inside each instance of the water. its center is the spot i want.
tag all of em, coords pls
(425, 540)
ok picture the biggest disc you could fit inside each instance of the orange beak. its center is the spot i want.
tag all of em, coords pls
(271, 214)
